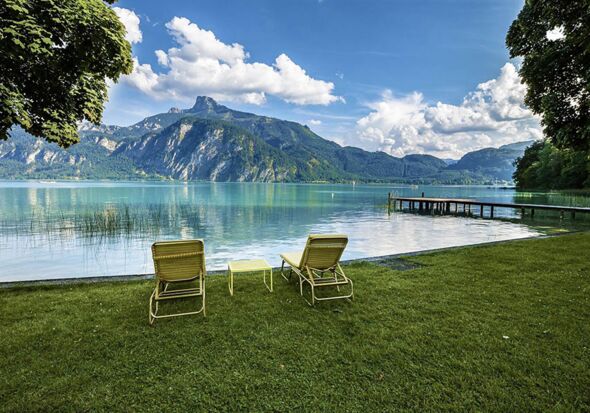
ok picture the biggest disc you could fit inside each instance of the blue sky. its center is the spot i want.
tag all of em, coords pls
(402, 76)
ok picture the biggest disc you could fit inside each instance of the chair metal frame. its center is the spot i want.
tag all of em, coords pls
(316, 277)
(164, 281)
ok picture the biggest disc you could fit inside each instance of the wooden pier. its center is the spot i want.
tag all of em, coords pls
(469, 206)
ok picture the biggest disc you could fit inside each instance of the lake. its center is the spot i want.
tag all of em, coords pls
(52, 230)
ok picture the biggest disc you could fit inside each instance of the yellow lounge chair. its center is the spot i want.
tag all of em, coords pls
(318, 265)
(177, 263)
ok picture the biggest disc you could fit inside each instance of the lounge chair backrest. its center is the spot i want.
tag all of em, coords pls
(323, 251)
(179, 260)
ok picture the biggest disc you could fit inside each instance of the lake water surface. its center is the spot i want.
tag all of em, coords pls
(82, 229)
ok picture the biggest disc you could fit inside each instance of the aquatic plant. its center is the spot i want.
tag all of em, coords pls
(104, 220)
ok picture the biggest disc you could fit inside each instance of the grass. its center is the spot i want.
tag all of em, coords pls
(501, 328)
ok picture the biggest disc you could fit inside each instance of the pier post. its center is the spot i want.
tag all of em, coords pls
(481, 210)
(491, 211)
(532, 212)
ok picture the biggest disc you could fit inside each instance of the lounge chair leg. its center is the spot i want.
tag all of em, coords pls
(312, 303)
(300, 286)
(283, 271)
(152, 315)
(335, 276)
(202, 282)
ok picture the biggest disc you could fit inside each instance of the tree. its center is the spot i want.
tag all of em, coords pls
(553, 38)
(544, 166)
(55, 59)
(526, 165)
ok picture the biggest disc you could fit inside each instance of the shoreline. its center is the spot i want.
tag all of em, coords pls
(373, 259)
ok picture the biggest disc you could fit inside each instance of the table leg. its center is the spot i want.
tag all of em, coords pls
(230, 282)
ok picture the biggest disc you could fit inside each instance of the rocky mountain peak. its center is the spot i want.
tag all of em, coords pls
(205, 104)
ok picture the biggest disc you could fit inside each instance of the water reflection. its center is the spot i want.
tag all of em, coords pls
(54, 230)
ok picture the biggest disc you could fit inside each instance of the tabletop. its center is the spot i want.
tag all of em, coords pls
(248, 265)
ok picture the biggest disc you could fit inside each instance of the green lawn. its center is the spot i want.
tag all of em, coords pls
(504, 328)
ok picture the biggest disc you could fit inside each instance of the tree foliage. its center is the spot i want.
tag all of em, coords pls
(556, 67)
(55, 59)
(544, 166)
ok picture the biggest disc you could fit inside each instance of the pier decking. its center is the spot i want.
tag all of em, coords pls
(453, 205)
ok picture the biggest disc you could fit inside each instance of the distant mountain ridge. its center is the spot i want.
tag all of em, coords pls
(496, 162)
(212, 142)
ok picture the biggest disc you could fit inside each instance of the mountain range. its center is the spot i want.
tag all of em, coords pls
(212, 142)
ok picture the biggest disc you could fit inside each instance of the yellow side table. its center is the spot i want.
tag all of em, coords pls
(248, 266)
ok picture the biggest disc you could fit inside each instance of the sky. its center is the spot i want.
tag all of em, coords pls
(399, 76)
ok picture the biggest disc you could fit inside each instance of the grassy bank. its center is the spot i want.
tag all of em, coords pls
(503, 327)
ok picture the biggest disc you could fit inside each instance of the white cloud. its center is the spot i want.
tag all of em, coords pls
(131, 22)
(315, 122)
(493, 115)
(199, 43)
(143, 76)
(204, 65)
(162, 57)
